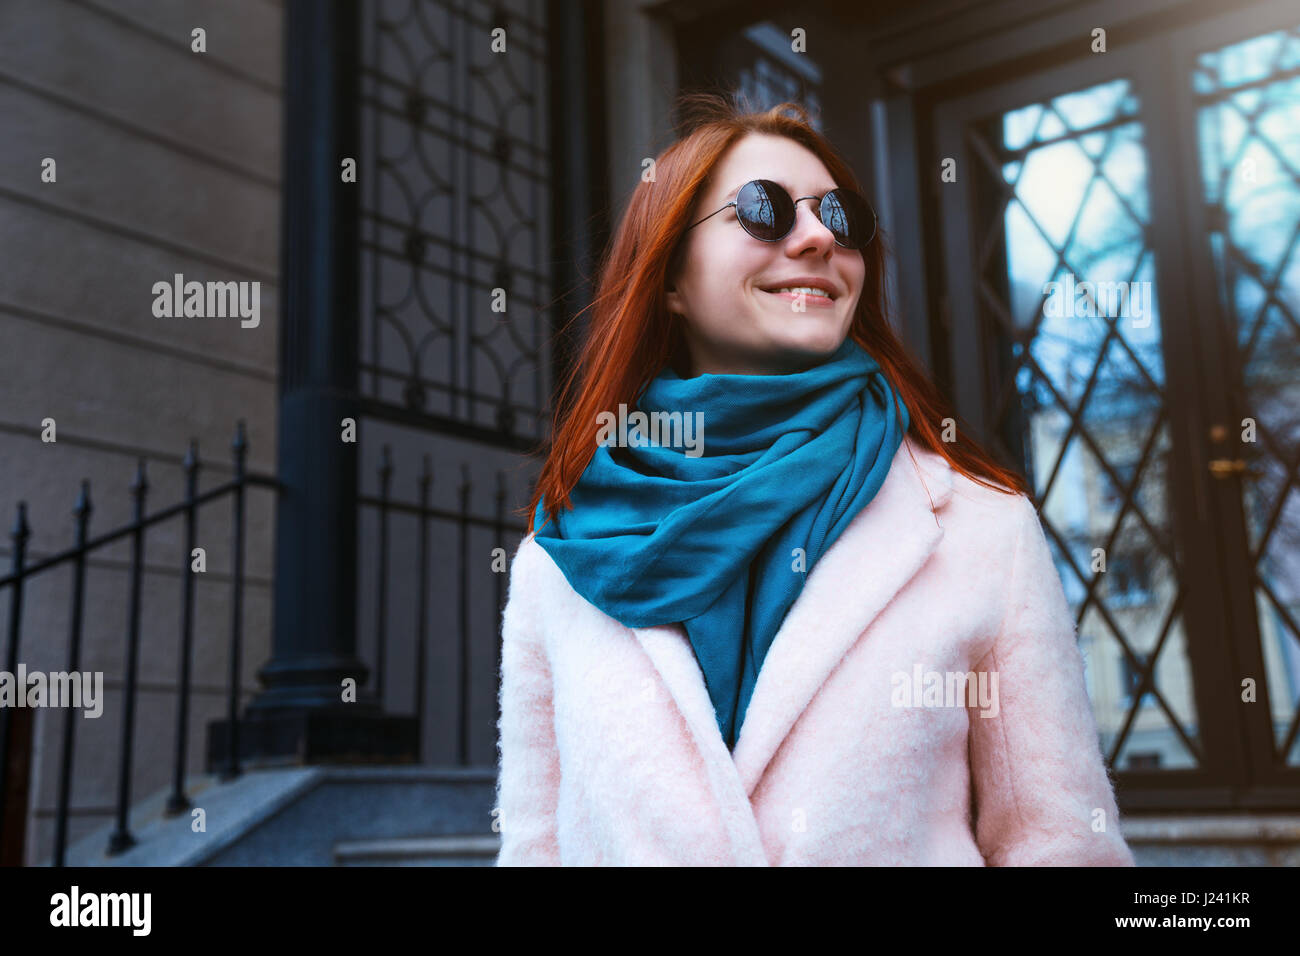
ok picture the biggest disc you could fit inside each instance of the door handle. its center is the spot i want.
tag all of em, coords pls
(1224, 468)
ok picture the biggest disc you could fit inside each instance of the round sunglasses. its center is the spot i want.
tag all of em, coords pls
(767, 213)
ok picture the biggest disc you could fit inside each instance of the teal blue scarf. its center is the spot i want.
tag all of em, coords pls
(661, 534)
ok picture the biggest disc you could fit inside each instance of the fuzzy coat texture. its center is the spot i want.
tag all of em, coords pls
(610, 754)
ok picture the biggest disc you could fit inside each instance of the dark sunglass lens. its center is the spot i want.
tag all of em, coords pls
(764, 209)
(849, 217)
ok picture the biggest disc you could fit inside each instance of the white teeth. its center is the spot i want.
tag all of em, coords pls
(807, 290)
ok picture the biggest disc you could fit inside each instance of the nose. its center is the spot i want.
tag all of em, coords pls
(809, 231)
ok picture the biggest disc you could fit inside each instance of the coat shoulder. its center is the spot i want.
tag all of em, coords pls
(523, 584)
(968, 494)
(527, 565)
(987, 522)
(535, 577)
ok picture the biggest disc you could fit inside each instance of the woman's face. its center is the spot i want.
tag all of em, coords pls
(731, 323)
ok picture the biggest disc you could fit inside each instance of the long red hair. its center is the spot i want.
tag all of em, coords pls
(632, 335)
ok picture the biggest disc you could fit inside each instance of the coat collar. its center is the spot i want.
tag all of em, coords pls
(880, 551)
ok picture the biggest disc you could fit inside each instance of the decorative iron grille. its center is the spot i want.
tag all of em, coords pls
(455, 219)
(775, 74)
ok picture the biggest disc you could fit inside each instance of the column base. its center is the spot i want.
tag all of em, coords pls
(303, 737)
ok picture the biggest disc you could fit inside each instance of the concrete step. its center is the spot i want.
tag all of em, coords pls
(300, 816)
(473, 850)
(1238, 839)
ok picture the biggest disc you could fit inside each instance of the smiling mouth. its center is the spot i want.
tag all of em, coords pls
(808, 297)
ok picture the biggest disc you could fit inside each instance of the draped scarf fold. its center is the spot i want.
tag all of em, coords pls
(718, 532)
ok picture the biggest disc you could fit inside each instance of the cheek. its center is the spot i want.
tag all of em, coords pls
(859, 278)
(726, 271)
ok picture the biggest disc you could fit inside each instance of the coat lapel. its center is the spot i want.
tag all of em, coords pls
(882, 549)
(670, 650)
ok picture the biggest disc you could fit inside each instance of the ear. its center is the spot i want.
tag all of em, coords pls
(675, 301)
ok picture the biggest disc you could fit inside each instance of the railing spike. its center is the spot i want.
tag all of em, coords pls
(83, 505)
(21, 531)
(140, 483)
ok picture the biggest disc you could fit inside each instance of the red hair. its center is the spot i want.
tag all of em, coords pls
(633, 335)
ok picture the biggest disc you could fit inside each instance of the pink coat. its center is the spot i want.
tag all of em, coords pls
(610, 753)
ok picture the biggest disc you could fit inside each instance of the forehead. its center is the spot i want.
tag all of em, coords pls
(764, 156)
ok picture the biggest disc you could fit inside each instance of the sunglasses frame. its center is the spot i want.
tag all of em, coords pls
(875, 220)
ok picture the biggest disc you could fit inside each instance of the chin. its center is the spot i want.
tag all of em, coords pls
(813, 343)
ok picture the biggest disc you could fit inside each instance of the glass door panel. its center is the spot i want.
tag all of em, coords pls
(1247, 97)
(1067, 290)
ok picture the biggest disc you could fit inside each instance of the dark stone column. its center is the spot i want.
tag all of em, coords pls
(580, 181)
(299, 715)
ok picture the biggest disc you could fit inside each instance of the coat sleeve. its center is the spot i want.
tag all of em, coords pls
(528, 773)
(1042, 793)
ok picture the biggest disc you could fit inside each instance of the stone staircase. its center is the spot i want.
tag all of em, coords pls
(315, 816)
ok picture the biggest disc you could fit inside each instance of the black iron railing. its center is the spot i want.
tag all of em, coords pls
(22, 572)
(504, 533)
(462, 520)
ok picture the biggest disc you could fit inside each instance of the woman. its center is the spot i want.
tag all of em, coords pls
(780, 620)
